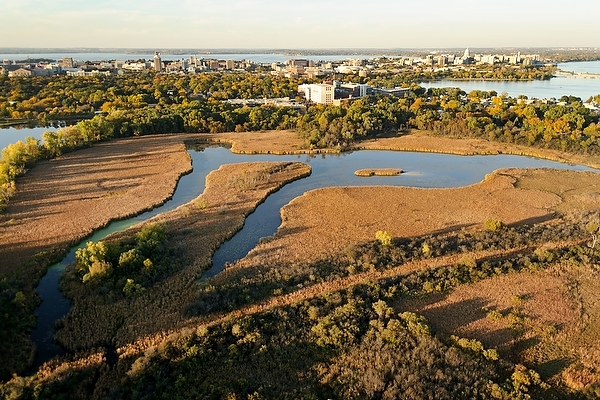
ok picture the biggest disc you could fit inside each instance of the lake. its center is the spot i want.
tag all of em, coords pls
(590, 67)
(14, 134)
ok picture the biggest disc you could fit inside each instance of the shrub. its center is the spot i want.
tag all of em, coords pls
(492, 224)
(98, 269)
(426, 250)
(132, 289)
(494, 315)
(384, 238)
(150, 237)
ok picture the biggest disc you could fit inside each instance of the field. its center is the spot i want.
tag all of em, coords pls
(546, 317)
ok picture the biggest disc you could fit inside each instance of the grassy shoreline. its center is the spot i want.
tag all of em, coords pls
(287, 142)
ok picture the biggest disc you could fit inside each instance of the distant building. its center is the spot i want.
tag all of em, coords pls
(318, 93)
(157, 62)
(441, 61)
(299, 63)
(135, 66)
(467, 58)
(6, 69)
(229, 64)
(279, 102)
(66, 62)
(19, 72)
(88, 73)
(352, 90)
(398, 92)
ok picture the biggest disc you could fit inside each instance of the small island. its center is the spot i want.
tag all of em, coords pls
(378, 172)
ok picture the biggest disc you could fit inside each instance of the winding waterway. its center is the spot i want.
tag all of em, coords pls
(422, 170)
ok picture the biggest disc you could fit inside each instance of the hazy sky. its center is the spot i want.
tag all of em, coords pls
(299, 24)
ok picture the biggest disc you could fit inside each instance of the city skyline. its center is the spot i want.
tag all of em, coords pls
(310, 24)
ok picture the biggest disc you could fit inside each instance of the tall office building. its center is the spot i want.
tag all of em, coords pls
(157, 62)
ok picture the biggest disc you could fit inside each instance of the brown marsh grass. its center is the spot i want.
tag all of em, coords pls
(63, 200)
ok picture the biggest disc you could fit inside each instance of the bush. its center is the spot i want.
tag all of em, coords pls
(492, 224)
(384, 238)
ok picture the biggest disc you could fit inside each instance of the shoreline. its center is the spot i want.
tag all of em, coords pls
(287, 143)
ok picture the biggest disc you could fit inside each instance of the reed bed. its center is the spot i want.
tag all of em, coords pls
(378, 172)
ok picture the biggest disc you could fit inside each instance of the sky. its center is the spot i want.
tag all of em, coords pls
(305, 24)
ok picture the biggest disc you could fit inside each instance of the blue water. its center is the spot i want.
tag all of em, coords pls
(556, 87)
(590, 67)
(14, 134)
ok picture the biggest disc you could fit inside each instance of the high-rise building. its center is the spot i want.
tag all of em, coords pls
(157, 62)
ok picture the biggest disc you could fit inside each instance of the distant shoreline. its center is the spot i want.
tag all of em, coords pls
(289, 51)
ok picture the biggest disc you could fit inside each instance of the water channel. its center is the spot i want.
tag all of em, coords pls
(422, 170)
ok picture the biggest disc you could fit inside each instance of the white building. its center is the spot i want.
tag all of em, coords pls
(318, 93)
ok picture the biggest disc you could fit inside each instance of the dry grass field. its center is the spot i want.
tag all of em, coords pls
(549, 319)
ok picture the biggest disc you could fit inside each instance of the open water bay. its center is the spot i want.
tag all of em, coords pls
(556, 87)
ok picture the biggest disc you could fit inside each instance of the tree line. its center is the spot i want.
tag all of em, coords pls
(45, 99)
